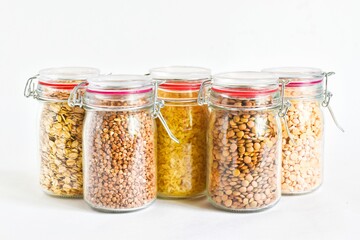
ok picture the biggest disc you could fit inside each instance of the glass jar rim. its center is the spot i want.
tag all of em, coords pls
(119, 84)
(245, 79)
(244, 92)
(180, 73)
(66, 75)
(297, 75)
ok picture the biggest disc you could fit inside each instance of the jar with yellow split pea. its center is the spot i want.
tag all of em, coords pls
(181, 166)
(60, 129)
(303, 141)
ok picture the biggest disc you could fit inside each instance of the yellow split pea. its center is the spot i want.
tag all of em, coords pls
(302, 160)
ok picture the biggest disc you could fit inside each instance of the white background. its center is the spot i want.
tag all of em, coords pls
(132, 36)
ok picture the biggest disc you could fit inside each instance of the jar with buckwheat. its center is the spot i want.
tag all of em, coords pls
(119, 142)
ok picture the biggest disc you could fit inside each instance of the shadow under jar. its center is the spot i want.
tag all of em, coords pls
(181, 166)
(244, 142)
(302, 158)
(119, 142)
(60, 132)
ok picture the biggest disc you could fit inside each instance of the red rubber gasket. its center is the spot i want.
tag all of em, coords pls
(116, 92)
(244, 92)
(303, 84)
(66, 86)
(181, 86)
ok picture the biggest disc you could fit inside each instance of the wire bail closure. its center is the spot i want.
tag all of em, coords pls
(158, 104)
(327, 94)
(30, 87)
(75, 97)
(203, 92)
(284, 107)
(326, 102)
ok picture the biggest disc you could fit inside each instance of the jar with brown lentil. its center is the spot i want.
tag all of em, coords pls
(60, 132)
(302, 157)
(119, 142)
(181, 166)
(244, 141)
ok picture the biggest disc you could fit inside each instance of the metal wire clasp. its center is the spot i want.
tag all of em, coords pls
(327, 94)
(75, 97)
(30, 87)
(158, 104)
(327, 98)
(284, 107)
(203, 92)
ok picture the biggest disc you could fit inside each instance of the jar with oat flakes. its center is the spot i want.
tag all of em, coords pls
(181, 166)
(243, 141)
(119, 141)
(60, 132)
(302, 157)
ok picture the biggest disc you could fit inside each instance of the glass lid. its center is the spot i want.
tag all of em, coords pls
(245, 84)
(66, 75)
(181, 73)
(298, 75)
(118, 82)
(245, 80)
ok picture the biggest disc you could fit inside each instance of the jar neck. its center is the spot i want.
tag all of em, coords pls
(119, 101)
(258, 101)
(305, 91)
(53, 94)
(168, 95)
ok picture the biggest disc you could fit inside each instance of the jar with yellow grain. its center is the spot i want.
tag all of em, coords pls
(181, 166)
(244, 141)
(303, 141)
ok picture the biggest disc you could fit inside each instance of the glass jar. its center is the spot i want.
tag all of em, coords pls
(243, 141)
(60, 132)
(181, 166)
(119, 142)
(302, 161)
